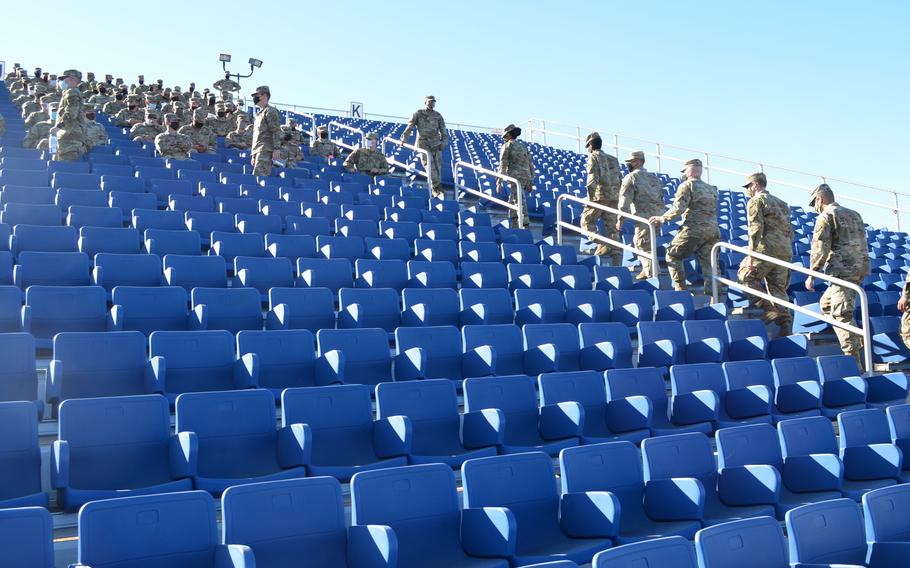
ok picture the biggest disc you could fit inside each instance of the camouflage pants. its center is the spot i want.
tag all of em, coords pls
(840, 303)
(69, 151)
(513, 215)
(642, 241)
(262, 164)
(771, 278)
(435, 173)
(905, 329)
(684, 245)
(589, 218)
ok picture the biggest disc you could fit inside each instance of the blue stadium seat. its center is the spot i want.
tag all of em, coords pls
(559, 255)
(678, 305)
(407, 230)
(262, 274)
(27, 194)
(887, 345)
(123, 183)
(887, 530)
(165, 241)
(128, 203)
(438, 232)
(842, 542)
(94, 240)
(661, 343)
(232, 309)
(205, 223)
(145, 531)
(290, 246)
(604, 346)
(331, 273)
(226, 201)
(112, 270)
(520, 253)
(51, 269)
(706, 341)
(526, 428)
(428, 353)
(152, 219)
(690, 455)
(84, 216)
(11, 316)
(899, 426)
(262, 224)
(350, 248)
(528, 276)
(745, 375)
(587, 306)
(42, 239)
(369, 307)
(286, 357)
(492, 349)
(164, 188)
(541, 524)
(483, 275)
(387, 249)
(491, 306)
(799, 387)
(866, 447)
(667, 552)
(431, 274)
(515, 236)
(116, 447)
(190, 272)
(203, 204)
(75, 180)
(429, 306)
(98, 364)
(537, 306)
(67, 198)
(649, 382)
(631, 306)
(881, 390)
(345, 437)
(50, 310)
(550, 347)
(749, 543)
(154, 308)
(300, 308)
(436, 250)
(482, 251)
(610, 278)
(359, 356)
(371, 273)
(197, 361)
(438, 435)
(570, 277)
(231, 245)
(748, 340)
(27, 537)
(20, 458)
(310, 226)
(699, 391)
(36, 178)
(646, 511)
(237, 439)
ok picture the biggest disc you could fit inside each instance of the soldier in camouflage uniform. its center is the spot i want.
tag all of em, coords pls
(227, 85)
(69, 128)
(200, 133)
(31, 105)
(696, 201)
(770, 233)
(903, 306)
(100, 99)
(95, 134)
(242, 136)
(603, 188)
(368, 160)
(141, 88)
(115, 106)
(220, 123)
(839, 249)
(322, 146)
(432, 137)
(172, 144)
(37, 116)
(267, 136)
(39, 132)
(515, 161)
(640, 194)
(148, 130)
(131, 115)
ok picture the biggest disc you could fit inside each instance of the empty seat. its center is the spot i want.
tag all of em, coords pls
(94, 240)
(438, 231)
(205, 223)
(164, 188)
(436, 426)
(794, 378)
(661, 343)
(881, 390)
(520, 253)
(493, 350)
(112, 270)
(350, 248)
(388, 249)
(570, 277)
(527, 428)
(539, 306)
(491, 306)
(286, 357)
(118, 446)
(887, 530)
(604, 346)
(123, 183)
(75, 180)
(749, 543)
(18, 377)
(51, 269)
(371, 273)
(197, 361)
(68, 197)
(353, 356)
(631, 306)
(483, 275)
(679, 305)
(331, 273)
(899, 425)
(232, 245)
(706, 341)
(27, 194)
(42, 239)
(356, 228)
(481, 251)
(232, 309)
(154, 308)
(190, 272)
(27, 537)
(263, 274)
(83, 216)
(262, 224)
(649, 382)
(178, 530)
(431, 274)
(31, 214)
(699, 391)
(609, 278)
(369, 307)
(407, 230)
(290, 246)
(300, 308)
(560, 255)
(550, 347)
(528, 276)
(668, 552)
(429, 306)
(428, 353)
(749, 340)
(436, 250)
(646, 511)
(20, 458)
(690, 455)
(345, 437)
(151, 219)
(866, 447)
(50, 310)
(587, 306)
(191, 203)
(162, 242)
(546, 526)
(842, 542)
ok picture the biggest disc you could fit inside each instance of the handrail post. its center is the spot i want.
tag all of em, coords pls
(707, 168)
(508, 179)
(897, 212)
(616, 145)
(407, 167)
(658, 157)
(578, 137)
(543, 131)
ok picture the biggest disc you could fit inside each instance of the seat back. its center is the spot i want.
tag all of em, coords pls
(66, 308)
(325, 409)
(587, 306)
(829, 532)
(642, 381)
(837, 367)
(196, 361)
(863, 427)
(152, 308)
(490, 306)
(506, 341)
(128, 269)
(667, 552)
(365, 353)
(806, 436)
(675, 305)
(442, 346)
(542, 306)
(18, 375)
(96, 364)
(679, 455)
(583, 387)
(286, 357)
(369, 307)
(752, 444)
(20, 454)
(437, 306)
(513, 394)
(51, 269)
(697, 376)
(192, 271)
(631, 306)
(27, 537)
(747, 543)
(793, 370)
(884, 511)
(563, 336)
(741, 374)
(232, 309)
(615, 466)
(372, 273)
(483, 275)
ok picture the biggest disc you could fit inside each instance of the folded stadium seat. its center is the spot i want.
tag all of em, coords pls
(31, 214)
(20, 458)
(587, 306)
(570, 277)
(232, 309)
(527, 427)
(311, 226)
(189, 272)
(129, 202)
(365, 211)
(680, 306)
(542, 524)
(27, 194)
(350, 248)
(191, 203)
(331, 273)
(299, 195)
(484, 275)
(691, 456)
(263, 274)
(67, 198)
(661, 343)
(328, 211)
(235, 205)
(259, 192)
(237, 439)
(609, 278)
(742, 376)
(256, 223)
(550, 347)
(278, 207)
(887, 530)
(699, 390)
(442, 250)
(558, 254)
(706, 341)
(356, 228)
(200, 361)
(164, 188)
(231, 245)
(749, 543)
(658, 508)
(528, 276)
(206, 223)
(126, 183)
(369, 307)
(300, 308)
(431, 274)
(631, 306)
(176, 529)
(539, 306)
(432, 352)
(33, 178)
(94, 240)
(358, 356)
(162, 242)
(881, 390)
(290, 246)
(308, 516)
(749, 340)
(440, 306)
(474, 219)
(798, 388)
(286, 357)
(345, 437)
(514, 236)
(399, 215)
(604, 346)
(667, 552)
(841, 543)
(387, 249)
(438, 232)
(53, 309)
(837, 394)
(335, 198)
(371, 273)
(74, 180)
(112, 270)
(520, 253)
(478, 252)
(492, 349)
(154, 308)
(866, 447)
(649, 382)
(42, 239)
(899, 426)
(887, 345)
(115, 447)
(151, 219)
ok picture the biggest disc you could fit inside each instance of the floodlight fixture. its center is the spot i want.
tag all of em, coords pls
(224, 58)
(255, 63)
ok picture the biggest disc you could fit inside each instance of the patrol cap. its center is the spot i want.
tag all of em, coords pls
(372, 136)
(692, 162)
(592, 136)
(263, 90)
(243, 117)
(759, 177)
(108, 78)
(133, 98)
(71, 73)
(636, 155)
(151, 111)
(823, 189)
(322, 129)
(430, 98)
(512, 130)
(200, 114)
(170, 117)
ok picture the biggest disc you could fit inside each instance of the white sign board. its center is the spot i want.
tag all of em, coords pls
(2, 69)
(356, 110)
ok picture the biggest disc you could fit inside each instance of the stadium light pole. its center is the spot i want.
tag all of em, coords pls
(225, 58)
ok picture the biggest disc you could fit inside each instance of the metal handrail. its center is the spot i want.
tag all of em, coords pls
(312, 122)
(519, 199)
(346, 127)
(865, 331)
(409, 167)
(560, 224)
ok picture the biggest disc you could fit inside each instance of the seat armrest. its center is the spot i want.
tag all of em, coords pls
(155, 374)
(410, 365)
(562, 420)
(60, 464)
(234, 556)
(589, 514)
(199, 317)
(372, 546)
(329, 368)
(54, 384)
(278, 317)
(488, 532)
(184, 455)
(675, 499)
(246, 371)
(483, 428)
(392, 436)
(295, 445)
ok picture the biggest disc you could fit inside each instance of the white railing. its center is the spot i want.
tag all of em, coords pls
(333, 124)
(576, 133)
(560, 225)
(865, 331)
(516, 187)
(312, 119)
(406, 166)
(372, 116)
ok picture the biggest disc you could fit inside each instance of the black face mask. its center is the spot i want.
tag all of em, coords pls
(142, 82)
(198, 124)
(132, 107)
(175, 125)
(192, 89)
(175, 99)
(221, 114)
(256, 99)
(323, 135)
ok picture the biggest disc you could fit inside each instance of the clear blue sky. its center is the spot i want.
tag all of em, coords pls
(814, 85)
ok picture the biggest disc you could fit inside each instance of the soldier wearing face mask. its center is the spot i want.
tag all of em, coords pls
(368, 160)
(172, 144)
(97, 101)
(267, 135)
(131, 115)
(291, 148)
(432, 137)
(95, 134)
(141, 88)
(322, 146)
(227, 85)
(220, 123)
(515, 161)
(148, 130)
(37, 116)
(200, 133)
(68, 127)
(39, 132)
(242, 136)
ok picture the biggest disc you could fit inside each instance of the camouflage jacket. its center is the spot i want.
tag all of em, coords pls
(641, 194)
(363, 160)
(839, 246)
(71, 117)
(696, 201)
(431, 129)
(36, 134)
(173, 145)
(324, 148)
(770, 231)
(603, 177)
(126, 118)
(95, 134)
(267, 135)
(113, 107)
(145, 132)
(242, 140)
(200, 136)
(220, 125)
(515, 161)
(35, 118)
